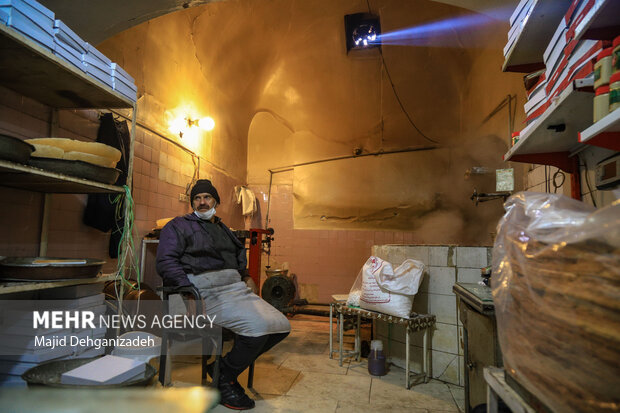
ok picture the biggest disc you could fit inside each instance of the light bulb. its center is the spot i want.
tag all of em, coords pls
(206, 123)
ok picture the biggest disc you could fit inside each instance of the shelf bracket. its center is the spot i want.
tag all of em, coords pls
(560, 160)
(607, 140)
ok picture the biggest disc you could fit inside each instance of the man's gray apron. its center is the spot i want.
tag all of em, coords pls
(235, 306)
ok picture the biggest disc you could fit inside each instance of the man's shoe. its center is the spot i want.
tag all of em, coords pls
(234, 398)
(211, 367)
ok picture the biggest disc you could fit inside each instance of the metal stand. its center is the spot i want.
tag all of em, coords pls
(145, 241)
(416, 322)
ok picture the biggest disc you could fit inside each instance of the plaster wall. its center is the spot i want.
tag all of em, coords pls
(321, 103)
(277, 79)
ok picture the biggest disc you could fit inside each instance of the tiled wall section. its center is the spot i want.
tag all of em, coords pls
(446, 265)
(538, 181)
(161, 172)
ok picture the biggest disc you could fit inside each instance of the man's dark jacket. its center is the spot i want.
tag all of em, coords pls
(185, 247)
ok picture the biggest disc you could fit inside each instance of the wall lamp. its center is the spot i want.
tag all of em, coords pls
(184, 125)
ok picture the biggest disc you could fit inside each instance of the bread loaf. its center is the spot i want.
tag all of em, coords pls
(47, 151)
(72, 145)
(92, 159)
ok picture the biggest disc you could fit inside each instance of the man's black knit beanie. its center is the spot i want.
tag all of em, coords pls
(204, 185)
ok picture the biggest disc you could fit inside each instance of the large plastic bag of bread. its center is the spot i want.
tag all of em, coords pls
(92, 152)
(556, 289)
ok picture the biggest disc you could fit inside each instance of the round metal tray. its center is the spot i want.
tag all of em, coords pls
(78, 169)
(48, 374)
(14, 149)
(25, 269)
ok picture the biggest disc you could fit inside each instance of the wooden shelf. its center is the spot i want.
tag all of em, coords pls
(9, 287)
(604, 133)
(573, 109)
(20, 176)
(526, 54)
(33, 71)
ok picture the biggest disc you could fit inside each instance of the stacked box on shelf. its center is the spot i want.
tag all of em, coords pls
(536, 96)
(30, 19)
(566, 59)
(518, 19)
(97, 65)
(69, 45)
(123, 83)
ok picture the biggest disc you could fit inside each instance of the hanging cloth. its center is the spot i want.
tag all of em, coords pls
(247, 199)
(100, 211)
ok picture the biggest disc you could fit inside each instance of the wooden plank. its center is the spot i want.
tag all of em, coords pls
(34, 71)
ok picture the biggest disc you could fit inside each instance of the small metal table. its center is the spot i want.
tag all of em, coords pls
(336, 299)
(416, 322)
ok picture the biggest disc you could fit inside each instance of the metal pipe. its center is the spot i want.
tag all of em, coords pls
(172, 141)
(339, 158)
(268, 200)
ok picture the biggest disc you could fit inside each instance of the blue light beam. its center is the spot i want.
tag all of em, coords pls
(438, 33)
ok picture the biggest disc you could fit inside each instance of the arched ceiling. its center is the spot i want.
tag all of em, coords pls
(97, 20)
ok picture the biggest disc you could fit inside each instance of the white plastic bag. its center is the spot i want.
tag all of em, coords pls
(356, 291)
(390, 291)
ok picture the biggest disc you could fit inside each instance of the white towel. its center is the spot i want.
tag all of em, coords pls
(247, 199)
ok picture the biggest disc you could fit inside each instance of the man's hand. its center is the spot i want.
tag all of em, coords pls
(250, 283)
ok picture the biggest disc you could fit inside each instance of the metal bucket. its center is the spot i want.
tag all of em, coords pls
(271, 273)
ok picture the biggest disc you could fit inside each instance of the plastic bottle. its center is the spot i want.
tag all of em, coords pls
(602, 68)
(376, 359)
(616, 55)
(601, 103)
(614, 92)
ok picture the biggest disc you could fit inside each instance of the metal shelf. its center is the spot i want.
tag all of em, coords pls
(526, 54)
(604, 133)
(601, 22)
(9, 287)
(27, 177)
(35, 72)
(573, 109)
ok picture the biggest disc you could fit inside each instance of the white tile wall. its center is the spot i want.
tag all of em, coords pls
(468, 275)
(441, 256)
(441, 280)
(471, 257)
(444, 308)
(445, 266)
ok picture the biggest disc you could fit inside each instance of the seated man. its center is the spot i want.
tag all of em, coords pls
(198, 249)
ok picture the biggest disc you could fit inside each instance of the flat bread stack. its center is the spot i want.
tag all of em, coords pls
(70, 149)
